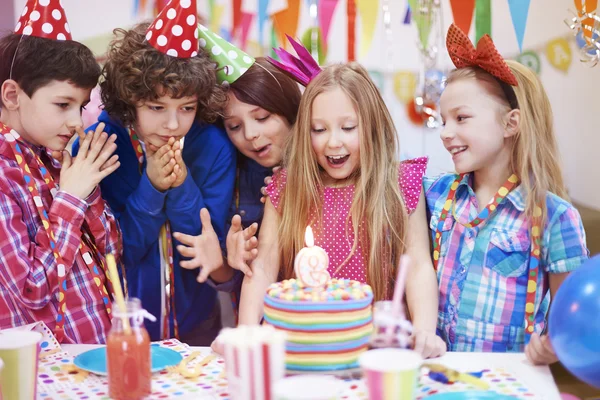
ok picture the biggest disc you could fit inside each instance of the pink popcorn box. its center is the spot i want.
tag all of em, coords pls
(254, 360)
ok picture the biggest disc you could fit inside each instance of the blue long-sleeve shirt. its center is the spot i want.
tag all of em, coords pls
(246, 200)
(142, 210)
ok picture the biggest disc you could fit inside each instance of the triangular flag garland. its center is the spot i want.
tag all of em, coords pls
(483, 18)
(519, 9)
(423, 21)
(285, 21)
(326, 8)
(462, 12)
(368, 11)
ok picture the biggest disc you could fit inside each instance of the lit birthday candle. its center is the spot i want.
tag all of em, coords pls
(311, 263)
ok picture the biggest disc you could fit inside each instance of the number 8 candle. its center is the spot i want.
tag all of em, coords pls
(311, 263)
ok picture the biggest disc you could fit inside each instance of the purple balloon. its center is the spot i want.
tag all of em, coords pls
(574, 322)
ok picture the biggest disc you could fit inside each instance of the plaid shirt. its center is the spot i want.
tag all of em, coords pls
(482, 272)
(28, 273)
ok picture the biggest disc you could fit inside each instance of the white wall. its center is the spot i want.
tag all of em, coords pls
(573, 95)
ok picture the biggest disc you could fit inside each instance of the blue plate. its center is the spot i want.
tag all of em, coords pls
(473, 394)
(94, 360)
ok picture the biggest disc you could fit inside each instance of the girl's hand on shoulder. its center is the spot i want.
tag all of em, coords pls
(539, 351)
(268, 180)
(241, 245)
(428, 344)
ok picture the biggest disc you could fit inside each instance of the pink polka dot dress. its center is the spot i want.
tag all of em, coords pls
(337, 236)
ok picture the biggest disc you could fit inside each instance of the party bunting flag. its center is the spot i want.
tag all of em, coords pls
(462, 11)
(216, 16)
(286, 21)
(321, 47)
(377, 78)
(236, 17)
(368, 10)
(245, 24)
(351, 18)
(530, 59)
(558, 52)
(326, 8)
(273, 42)
(211, 6)
(262, 19)
(259, 8)
(405, 84)
(423, 22)
(483, 18)
(518, 12)
(407, 16)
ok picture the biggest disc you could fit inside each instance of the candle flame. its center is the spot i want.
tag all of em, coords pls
(309, 238)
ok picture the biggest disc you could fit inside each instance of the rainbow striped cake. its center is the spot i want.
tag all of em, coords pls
(327, 328)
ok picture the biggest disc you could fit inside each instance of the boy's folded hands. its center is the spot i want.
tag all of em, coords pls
(80, 175)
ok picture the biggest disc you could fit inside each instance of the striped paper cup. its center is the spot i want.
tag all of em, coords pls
(391, 373)
(254, 360)
(19, 350)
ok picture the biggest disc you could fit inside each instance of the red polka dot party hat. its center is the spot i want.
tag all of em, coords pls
(45, 19)
(175, 30)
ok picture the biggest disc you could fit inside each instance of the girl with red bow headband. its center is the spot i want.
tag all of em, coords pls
(499, 261)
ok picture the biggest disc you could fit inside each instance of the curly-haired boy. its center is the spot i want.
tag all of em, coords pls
(157, 85)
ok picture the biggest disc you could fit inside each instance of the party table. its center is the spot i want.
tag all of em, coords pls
(507, 373)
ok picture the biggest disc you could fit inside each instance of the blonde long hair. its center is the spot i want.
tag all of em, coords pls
(377, 199)
(534, 157)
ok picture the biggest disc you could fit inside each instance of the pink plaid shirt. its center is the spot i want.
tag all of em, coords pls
(28, 272)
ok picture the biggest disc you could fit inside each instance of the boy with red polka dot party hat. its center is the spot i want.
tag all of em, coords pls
(160, 88)
(55, 229)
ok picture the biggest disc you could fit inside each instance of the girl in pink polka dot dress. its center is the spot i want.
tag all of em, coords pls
(341, 177)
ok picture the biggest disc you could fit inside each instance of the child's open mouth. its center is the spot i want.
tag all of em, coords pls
(263, 151)
(337, 161)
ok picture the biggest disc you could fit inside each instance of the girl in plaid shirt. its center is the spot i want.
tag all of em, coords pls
(499, 261)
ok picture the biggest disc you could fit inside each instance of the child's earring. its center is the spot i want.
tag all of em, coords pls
(513, 119)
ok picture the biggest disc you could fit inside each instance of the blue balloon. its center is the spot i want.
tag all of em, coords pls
(435, 82)
(574, 322)
(581, 43)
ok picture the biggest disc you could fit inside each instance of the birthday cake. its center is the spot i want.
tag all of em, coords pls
(327, 327)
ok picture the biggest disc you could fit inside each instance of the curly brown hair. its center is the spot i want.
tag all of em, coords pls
(135, 71)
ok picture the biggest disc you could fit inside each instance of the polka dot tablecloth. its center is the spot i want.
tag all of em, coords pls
(59, 379)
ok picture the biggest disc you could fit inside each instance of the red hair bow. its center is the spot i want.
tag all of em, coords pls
(486, 56)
